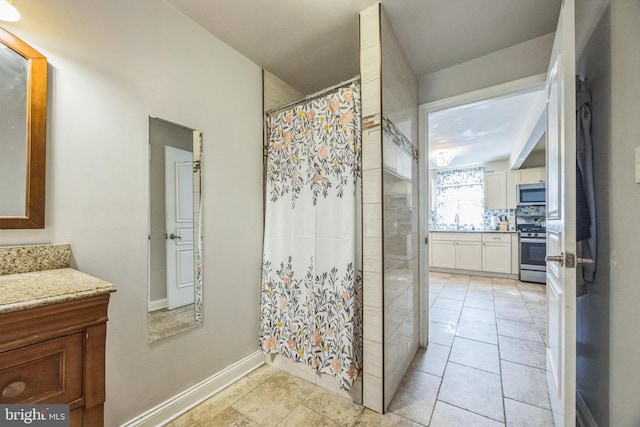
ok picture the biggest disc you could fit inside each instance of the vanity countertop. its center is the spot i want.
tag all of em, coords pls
(21, 291)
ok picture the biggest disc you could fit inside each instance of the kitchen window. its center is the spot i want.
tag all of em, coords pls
(459, 197)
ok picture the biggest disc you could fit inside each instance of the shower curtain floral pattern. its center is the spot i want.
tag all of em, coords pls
(311, 297)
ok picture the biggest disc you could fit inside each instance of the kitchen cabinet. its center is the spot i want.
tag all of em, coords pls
(532, 175)
(496, 253)
(512, 189)
(515, 254)
(484, 253)
(495, 190)
(461, 251)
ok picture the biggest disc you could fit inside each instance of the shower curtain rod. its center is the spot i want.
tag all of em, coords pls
(314, 95)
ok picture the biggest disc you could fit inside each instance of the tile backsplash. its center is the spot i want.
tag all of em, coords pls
(509, 213)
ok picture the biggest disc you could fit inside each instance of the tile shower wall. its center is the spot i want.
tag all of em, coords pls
(390, 216)
(400, 211)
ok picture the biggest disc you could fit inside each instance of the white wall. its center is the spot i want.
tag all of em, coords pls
(624, 208)
(506, 65)
(112, 64)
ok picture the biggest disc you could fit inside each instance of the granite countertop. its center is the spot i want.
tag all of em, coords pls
(471, 231)
(21, 291)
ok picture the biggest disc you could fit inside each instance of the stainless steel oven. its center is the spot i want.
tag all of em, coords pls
(533, 249)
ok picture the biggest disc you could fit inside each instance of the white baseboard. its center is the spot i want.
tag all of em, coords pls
(158, 304)
(583, 415)
(193, 396)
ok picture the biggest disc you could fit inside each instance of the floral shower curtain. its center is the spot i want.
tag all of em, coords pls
(311, 298)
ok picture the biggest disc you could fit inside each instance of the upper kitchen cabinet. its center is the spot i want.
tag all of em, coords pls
(495, 190)
(532, 175)
(522, 176)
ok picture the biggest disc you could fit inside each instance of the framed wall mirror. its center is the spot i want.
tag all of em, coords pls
(175, 229)
(23, 116)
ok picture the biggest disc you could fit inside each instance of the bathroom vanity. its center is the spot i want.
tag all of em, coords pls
(52, 344)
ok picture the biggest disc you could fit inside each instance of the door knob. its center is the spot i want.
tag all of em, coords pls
(555, 258)
(173, 236)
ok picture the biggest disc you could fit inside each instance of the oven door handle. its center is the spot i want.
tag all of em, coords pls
(530, 240)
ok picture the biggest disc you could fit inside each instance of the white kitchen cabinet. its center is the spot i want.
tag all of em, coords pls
(512, 189)
(532, 175)
(468, 255)
(495, 190)
(496, 253)
(461, 251)
(515, 254)
(443, 253)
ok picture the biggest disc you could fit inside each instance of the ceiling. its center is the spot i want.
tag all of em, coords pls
(314, 44)
(483, 132)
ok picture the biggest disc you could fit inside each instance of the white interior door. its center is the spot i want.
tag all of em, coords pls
(179, 223)
(561, 233)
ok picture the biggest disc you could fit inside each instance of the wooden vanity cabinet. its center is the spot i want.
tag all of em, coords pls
(56, 354)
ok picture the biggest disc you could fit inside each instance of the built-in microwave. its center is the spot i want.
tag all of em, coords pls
(532, 194)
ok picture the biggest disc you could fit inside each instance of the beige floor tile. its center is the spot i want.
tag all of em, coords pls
(369, 418)
(522, 351)
(520, 330)
(477, 331)
(525, 384)
(336, 408)
(448, 304)
(475, 354)
(260, 375)
(452, 293)
(521, 314)
(274, 399)
(416, 396)
(474, 390)
(445, 415)
(480, 293)
(522, 415)
(441, 333)
(431, 360)
(226, 417)
(481, 303)
(478, 315)
(303, 416)
(444, 316)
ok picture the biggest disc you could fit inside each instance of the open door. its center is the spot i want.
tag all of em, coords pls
(179, 223)
(561, 221)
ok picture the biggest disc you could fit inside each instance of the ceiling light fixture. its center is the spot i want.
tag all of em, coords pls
(8, 12)
(442, 159)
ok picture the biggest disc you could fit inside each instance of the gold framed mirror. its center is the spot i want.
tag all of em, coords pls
(23, 118)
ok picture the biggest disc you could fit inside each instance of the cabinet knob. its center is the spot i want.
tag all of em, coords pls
(14, 389)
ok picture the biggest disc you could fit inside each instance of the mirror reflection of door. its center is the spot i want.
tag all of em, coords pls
(174, 230)
(179, 223)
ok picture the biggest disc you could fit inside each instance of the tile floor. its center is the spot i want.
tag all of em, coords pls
(164, 323)
(484, 366)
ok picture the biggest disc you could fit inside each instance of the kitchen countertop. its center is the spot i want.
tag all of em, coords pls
(21, 291)
(471, 231)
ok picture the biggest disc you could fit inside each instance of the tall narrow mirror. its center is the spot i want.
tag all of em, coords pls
(175, 238)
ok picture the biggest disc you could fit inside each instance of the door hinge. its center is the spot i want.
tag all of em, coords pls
(196, 166)
(426, 240)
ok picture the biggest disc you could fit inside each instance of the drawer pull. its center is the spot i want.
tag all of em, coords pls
(14, 389)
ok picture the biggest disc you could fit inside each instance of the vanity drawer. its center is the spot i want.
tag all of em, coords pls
(47, 372)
